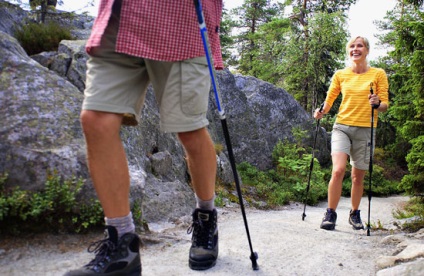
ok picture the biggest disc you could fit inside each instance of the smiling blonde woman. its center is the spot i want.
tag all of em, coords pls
(351, 135)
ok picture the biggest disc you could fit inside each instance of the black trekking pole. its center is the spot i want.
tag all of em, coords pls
(370, 164)
(204, 34)
(311, 166)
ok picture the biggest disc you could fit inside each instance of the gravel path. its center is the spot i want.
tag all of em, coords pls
(286, 245)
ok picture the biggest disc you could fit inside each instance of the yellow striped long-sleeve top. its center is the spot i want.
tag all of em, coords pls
(355, 109)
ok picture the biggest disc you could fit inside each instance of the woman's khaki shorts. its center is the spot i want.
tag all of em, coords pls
(118, 83)
(355, 142)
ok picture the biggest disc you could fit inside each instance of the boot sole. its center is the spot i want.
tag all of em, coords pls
(357, 228)
(136, 272)
(196, 265)
(328, 227)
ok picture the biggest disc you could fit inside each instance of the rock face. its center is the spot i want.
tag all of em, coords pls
(259, 115)
(11, 16)
(408, 258)
(39, 128)
(40, 99)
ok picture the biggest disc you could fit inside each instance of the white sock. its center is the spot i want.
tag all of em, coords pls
(122, 224)
(205, 204)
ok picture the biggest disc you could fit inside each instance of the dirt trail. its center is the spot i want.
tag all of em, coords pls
(286, 245)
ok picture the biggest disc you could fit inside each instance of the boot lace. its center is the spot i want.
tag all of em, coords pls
(202, 233)
(103, 250)
(356, 218)
(329, 216)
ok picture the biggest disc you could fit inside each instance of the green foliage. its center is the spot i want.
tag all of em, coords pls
(136, 210)
(248, 18)
(47, 3)
(381, 184)
(312, 53)
(299, 53)
(219, 199)
(413, 209)
(413, 183)
(270, 39)
(288, 181)
(36, 38)
(55, 208)
(226, 39)
(405, 64)
(267, 185)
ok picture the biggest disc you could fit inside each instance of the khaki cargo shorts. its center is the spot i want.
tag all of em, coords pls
(355, 142)
(118, 83)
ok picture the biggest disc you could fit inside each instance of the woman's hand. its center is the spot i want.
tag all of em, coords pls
(374, 100)
(318, 113)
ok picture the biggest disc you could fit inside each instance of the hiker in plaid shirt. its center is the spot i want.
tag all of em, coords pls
(134, 43)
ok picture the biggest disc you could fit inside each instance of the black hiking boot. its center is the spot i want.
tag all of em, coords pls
(355, 220)
(204, 242)
(329, 220)
(113, 256)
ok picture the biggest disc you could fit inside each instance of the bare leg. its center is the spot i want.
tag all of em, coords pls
(335, 186)
(201, 158)
(357, 187)
(107, 161)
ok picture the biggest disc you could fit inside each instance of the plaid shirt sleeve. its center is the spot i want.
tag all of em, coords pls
(164, 30)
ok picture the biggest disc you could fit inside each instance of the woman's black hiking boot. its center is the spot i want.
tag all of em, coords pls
(204, 242)
(329, 220)
(355, 220)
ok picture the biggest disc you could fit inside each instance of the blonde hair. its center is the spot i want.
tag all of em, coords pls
(364, 39)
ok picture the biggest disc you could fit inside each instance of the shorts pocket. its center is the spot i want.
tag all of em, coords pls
(196, 85)
(367, 152)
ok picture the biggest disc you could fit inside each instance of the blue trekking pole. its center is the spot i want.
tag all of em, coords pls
(203, 32)
(311, 166)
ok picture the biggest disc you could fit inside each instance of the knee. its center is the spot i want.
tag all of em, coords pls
(99, 123)
(338, 172)
(88, 121)
(357, 180)
(186, 137)
(190, 137)
(193, 140)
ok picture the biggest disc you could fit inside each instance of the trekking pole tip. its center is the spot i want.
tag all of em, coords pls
(368, 229)
(303, 216)
(253, 258)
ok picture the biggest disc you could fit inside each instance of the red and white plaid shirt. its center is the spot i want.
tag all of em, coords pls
(165, 30)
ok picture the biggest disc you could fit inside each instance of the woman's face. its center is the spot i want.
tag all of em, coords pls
(358, 51)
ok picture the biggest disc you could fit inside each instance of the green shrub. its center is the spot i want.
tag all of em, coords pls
(288, 181)
(380, 184)
(36, 37)
(413, 208)
(54, 209)
(266, 185)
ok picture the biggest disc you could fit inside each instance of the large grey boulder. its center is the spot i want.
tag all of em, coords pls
(40, 133)
(40, 128)
(74, 51)
(260, 114)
